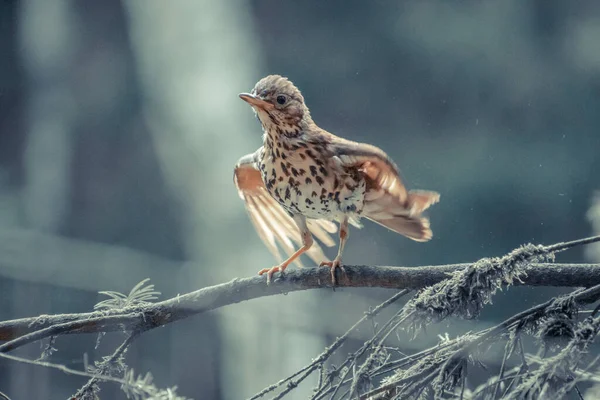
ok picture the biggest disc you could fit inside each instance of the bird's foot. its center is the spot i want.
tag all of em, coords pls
(336, 263)
(271, 271)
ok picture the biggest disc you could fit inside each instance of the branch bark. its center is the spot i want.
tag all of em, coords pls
(19, 332)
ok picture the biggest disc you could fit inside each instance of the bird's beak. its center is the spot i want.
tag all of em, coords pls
(256, 102)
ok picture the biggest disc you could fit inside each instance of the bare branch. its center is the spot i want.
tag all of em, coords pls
(149, 316)
(62, 368)
(324, 356)
(106, 366)
(459, 347)
(141, 316)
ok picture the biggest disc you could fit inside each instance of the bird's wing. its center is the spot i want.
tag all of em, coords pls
(387, 201)
(274, 226)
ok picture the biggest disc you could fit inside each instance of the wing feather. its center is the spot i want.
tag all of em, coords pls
(272, 223)
(261, 227)
(285, 234)
(381, 172)
(320, 233)
(387, 201)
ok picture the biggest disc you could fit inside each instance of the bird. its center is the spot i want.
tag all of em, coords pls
(304, 179)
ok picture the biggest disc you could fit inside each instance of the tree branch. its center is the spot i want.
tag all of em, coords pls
(152, 315)
(142, 315)
(319, 361)
(112, 362)
(149, 390)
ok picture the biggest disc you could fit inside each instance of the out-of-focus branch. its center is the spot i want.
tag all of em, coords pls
(148, 389)
(113, 361)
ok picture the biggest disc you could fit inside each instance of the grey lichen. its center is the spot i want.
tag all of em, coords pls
(142, 388)
(558, 324)
(555, 376)
(440, 368)
(465, 292)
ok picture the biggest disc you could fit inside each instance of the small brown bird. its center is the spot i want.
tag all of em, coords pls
(302, 178)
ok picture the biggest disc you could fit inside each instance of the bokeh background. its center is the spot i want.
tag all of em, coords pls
(120, 125)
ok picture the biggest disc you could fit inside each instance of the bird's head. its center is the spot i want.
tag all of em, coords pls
(278, 104)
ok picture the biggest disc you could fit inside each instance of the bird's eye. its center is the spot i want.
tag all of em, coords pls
(281, 99)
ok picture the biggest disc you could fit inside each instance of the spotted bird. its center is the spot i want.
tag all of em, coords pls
(304, 178)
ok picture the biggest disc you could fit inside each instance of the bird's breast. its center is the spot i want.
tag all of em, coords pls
(314, 187)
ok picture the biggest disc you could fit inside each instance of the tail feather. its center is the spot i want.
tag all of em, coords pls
(413, 228)
(403, 218)
(421, 200)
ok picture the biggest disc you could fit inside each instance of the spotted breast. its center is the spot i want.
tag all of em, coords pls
(305, 178)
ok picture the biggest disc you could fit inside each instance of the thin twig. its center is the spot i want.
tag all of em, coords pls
(578, 392)
(510, 374)
(421, 375)
(320, 380)
(595, 311)
(573, 243)
(324, 356)
(518, 375)
(464, 381)
(582, 297)
(113, 358)
(340, 384)
(64, 369)
(502, 367)
(394, 365)
(422, 383)
(352, 358)
(330, 389)
(367, 364)
(292, 385)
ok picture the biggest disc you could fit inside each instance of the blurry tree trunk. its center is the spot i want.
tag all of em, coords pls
(593, 215)
(45, 36)
(194, 57)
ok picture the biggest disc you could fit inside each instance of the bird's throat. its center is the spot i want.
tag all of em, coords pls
(278, 131)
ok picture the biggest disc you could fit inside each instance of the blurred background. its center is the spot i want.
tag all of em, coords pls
(120, 126)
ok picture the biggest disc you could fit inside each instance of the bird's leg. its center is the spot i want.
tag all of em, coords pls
(307, 241)
(337, 262)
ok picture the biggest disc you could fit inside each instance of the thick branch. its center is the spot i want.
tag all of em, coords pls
(157, 314)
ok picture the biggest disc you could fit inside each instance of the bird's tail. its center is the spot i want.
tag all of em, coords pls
(402, 217)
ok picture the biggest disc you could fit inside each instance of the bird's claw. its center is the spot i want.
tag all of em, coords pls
(271, 271)
(337, 263)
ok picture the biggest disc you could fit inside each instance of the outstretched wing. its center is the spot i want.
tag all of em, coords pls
(387, 201)
(272, 223)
